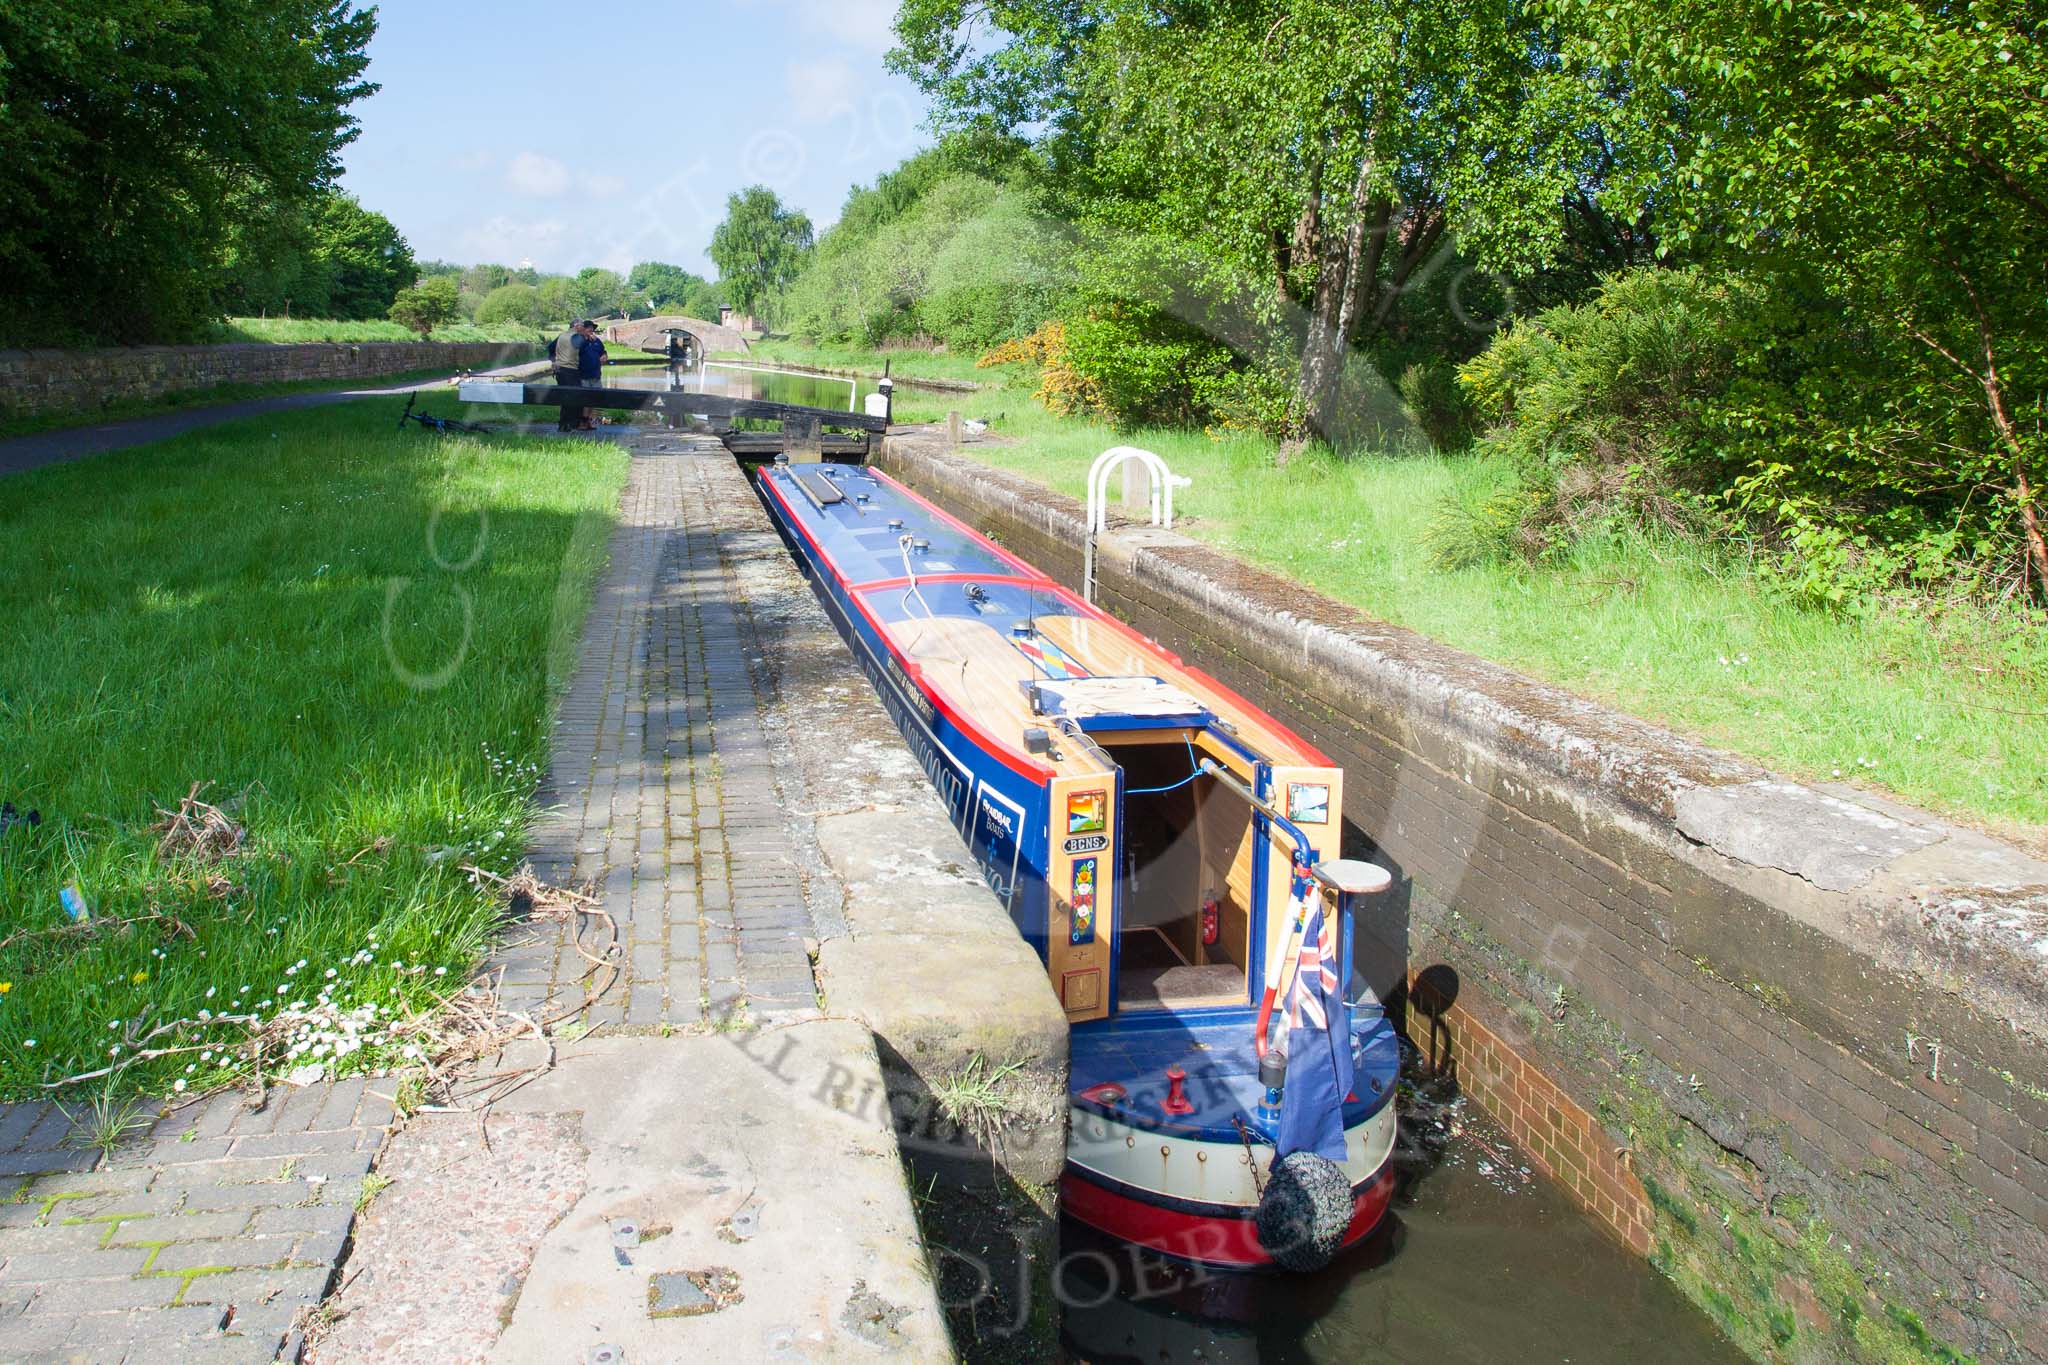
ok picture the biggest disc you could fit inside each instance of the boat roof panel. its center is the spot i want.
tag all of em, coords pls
(864, 548)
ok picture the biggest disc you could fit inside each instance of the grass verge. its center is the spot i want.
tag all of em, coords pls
(288, 330)
(1945, 711)
(351, 633)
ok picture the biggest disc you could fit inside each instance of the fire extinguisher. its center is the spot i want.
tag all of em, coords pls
(1212, 927)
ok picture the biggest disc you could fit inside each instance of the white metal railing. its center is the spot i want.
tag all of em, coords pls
(1160, 483)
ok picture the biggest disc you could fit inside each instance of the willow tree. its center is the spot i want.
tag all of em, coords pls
(1331, 148)
(760, 248)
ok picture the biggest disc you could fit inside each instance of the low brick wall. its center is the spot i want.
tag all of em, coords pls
(1813, 1020)
(33, 383)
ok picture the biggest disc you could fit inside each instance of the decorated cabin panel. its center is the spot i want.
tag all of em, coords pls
(1081, 875)
(1313, 799)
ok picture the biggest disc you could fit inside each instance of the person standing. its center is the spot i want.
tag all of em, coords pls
(590, 362)
(565, 352)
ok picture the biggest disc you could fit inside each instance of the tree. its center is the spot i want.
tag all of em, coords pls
(512, 303)
(365, 259)
(1897, 153)
(268, 265)
(703, 300)
(1332, 149)
(426, 305)
(666, 287)
(760, 248)
(599, 291)
(134, 131)
(558, 300)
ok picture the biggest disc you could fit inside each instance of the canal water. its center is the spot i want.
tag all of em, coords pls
(1482, 1261)
(732, 381)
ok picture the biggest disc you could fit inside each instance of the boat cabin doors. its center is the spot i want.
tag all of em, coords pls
(1168, 887)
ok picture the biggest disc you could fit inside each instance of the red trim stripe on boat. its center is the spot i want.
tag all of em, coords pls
(1221, 1239)
(1009, 756)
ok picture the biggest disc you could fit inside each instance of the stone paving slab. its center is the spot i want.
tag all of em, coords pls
(204, 1237)
(760, 1160)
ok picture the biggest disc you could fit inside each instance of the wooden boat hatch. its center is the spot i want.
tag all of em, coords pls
(820, 490)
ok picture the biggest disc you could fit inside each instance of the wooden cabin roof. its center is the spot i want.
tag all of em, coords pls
(952, 607)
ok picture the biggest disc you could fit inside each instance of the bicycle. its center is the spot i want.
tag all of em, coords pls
(440, 425)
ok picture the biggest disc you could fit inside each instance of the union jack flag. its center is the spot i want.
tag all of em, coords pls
(1315, 977)
(1319, 1063)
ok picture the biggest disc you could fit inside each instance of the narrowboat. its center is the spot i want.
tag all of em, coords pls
(1169, 851)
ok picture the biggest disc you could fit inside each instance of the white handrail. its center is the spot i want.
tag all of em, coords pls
(1160, 483)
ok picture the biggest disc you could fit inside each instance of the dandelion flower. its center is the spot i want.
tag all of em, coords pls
(139, 978)
(6, 986)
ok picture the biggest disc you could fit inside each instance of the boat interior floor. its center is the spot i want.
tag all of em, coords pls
(1151, 973)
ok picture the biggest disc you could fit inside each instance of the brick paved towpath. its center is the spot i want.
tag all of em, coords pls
(665, 796)
(203, 1239)
(702, 1122)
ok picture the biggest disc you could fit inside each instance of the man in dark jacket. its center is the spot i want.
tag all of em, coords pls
(591, 363)
(566, 354)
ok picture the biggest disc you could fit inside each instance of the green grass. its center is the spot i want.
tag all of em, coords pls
(285, 330)
(1950, 714)
(907, 363)
(199, 398)
(350, 632)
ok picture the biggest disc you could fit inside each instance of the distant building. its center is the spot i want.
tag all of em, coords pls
(738, 322)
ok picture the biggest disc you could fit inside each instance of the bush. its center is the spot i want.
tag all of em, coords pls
(511, 303)
(1438, 405)
(425, 306)
(1688, 401)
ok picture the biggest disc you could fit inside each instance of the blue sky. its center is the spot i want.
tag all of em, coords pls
(504, 133)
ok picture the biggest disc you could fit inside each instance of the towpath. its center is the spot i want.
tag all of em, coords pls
(21, 453)
(707, 1172)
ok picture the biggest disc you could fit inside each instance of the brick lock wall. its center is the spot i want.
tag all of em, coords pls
(1761, 1065)
(38, 382)
(1561, 1138)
